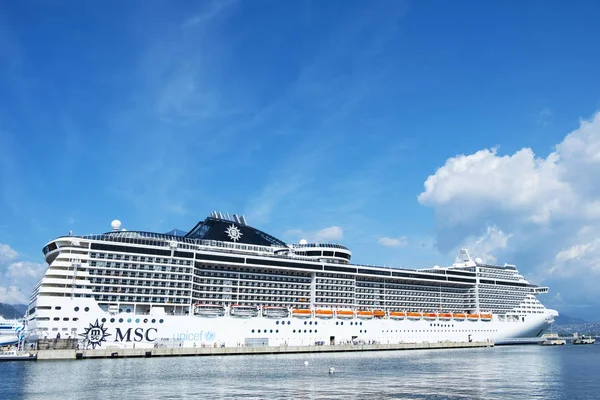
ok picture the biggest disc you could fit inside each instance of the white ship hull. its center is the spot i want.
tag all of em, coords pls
(128, 330)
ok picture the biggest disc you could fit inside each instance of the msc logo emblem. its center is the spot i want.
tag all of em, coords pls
(95, 334)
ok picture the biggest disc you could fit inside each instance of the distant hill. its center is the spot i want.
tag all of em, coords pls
(21, 308)
(566, 320)
(10, 312)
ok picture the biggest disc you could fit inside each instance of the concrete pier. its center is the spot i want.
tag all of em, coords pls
(230, 351)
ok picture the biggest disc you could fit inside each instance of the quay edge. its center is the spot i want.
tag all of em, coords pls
(43, 355)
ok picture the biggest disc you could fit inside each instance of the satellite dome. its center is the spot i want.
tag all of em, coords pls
(479, 260)
(303, 241)
(116, 225)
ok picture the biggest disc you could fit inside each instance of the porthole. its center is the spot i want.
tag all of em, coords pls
(161, 321)
(305, 331)
(271, 331)
(57, 307)
(304, 322)
(276, 322)
(128, 320)
(294, 331)
(145, 320)
(310, 331)
(361, 322)
(121, 320)
(137, 320)
(310, 323)
(259, 331)
(153, 321)
(316, 322)
(252, 330)
(76, 308)
(289, 322)
(86, 309)
(315, 331)
(351, 323)
(342, 323)
(103, 320)
(277, 331)
(112, 320)
(337, 322)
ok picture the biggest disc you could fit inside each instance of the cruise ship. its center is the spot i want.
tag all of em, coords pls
(226, 283)
(11, 331)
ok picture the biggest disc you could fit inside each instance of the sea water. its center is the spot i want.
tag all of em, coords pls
(502, 372)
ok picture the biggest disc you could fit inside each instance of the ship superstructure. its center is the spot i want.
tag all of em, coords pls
(227, 283)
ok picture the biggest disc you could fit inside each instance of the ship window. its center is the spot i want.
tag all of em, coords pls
(120, 320)
(161, 321)
(57, 307)
(103, 320)
(112, 320)
(153, 321)
(294, 331)
(252, 330)
(86, 309)
(56, 319)
(128, 320)
(76, 308)
(277, 331)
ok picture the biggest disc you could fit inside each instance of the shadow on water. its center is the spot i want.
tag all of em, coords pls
(513, 372)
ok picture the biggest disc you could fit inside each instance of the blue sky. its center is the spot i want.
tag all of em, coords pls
(318, 120)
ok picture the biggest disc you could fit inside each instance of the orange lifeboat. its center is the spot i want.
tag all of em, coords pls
(379, 313)
(459, 316)
(486, 316)
(364, 314)
(301, 313)
(324, 313)
(473, 317)
(397, 315)
(413, 315)
(445, 316)
(346, 314)
(430, 316)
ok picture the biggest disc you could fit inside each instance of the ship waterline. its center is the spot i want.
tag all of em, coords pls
(226, 283)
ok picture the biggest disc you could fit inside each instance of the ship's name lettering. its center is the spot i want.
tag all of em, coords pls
(136, 335)
(195, 336)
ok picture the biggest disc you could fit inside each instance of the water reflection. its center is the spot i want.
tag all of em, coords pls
(514, 372)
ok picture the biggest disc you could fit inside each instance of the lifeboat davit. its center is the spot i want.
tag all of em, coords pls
(445, 316)
(209, 310)
(275, 312)
(473, 317)
(324, 313)
(430, 316)
(486, 317)
(397, 315)
(301, 313)
(345, 314)
(459, 316)
(242, 311)
(413, 315)
(364, 314)
(379, 313)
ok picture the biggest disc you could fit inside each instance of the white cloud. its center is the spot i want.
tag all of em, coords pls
(6, 253)
(329, 234)
(24, 270)
(487, 245)
(530, 189)
(393, 242)
(542, 211)
(17, 278)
